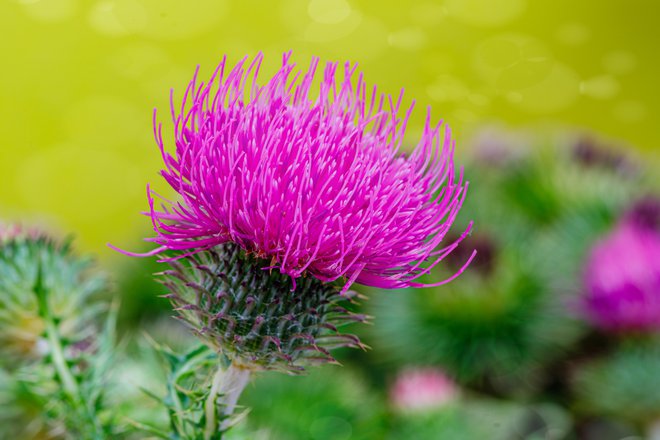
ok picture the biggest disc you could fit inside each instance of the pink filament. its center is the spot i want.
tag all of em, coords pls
(316, 186)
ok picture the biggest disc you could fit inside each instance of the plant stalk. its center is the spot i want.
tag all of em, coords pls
(62, 370)
(57, 354)
(226, 388)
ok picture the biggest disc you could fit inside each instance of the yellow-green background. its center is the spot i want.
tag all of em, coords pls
(79, 80)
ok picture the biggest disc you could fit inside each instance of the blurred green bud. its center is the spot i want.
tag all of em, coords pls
(624, 386)
(41, 279)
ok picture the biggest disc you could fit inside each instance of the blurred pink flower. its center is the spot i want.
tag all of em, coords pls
(622, 275)
(419, 389)
(311, 185)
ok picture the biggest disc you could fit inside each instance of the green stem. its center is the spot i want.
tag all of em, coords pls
(176, 420)
(653, 430)
(57, 353)
(193, 361)
(68, 381)
(211, 404)
(226, 388)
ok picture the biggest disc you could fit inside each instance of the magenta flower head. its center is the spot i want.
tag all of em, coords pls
(622, 276)
(311, 186)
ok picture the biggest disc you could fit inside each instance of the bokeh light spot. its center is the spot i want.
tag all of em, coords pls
(329, 11)
(600, 87)
(139, 60)
(557, 91)
(525, 73)
(372, 35)
(629, 111)
(130, 15)
(428, 13)
(499, 52)
(407, 39)
(485, 12)
(513, 61)
(463, 115)
(321, 33)
(50, 10)
(448, 88)
(479, 99)
(573, 34)
(619, 62)
(159, 84)
(514, 97)
(315, 26)
(437, 62)
(102, 18)
(169, 19)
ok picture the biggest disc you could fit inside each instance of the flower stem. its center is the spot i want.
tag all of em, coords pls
(69, 383)
(58, 359)
(653, 430)
(226, 388)
(59, 362)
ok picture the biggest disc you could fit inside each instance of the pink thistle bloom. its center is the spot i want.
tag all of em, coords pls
(312, 185)
(622, 276)
(419, 389)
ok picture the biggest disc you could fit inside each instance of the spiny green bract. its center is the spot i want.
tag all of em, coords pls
(188, 386)
(25, 261)
(256, 316)
(53, 352)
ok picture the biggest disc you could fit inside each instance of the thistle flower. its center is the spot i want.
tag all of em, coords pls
(316, 186)
(287, 200)
(419, 389)
(622, 275)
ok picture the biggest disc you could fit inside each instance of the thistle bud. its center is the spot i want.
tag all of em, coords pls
(40, 277)
(258, 317)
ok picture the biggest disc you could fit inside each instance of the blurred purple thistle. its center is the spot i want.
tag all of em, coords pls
(622, 276)
(316, 186)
